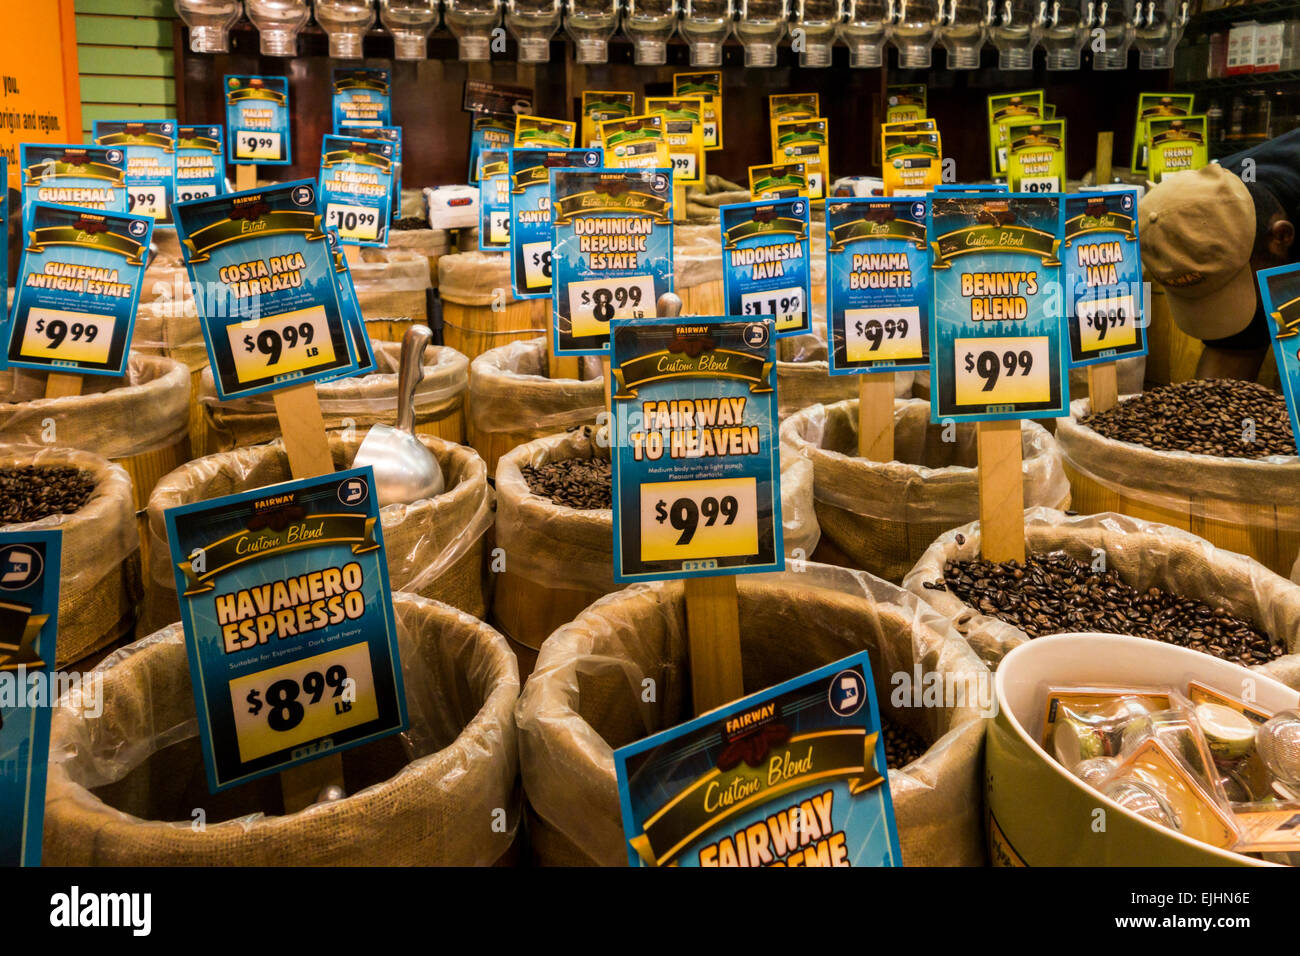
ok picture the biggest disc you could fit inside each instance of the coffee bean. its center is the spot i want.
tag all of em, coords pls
(582, 483)
(410, 222)
(32, 492)
(902, 745)
(1221, 417)
(1054, 593)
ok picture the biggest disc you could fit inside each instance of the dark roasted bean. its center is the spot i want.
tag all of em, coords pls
(902, 745)
(1054, 593)
(32, 492)
(582, 483)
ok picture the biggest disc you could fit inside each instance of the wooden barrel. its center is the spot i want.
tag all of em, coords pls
(433, 244)
(1238, 504)
(478, 310)
(390, 283)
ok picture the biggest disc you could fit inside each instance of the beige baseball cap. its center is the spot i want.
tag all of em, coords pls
(1197, 230)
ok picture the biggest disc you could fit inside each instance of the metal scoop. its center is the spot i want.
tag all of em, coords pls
(669, 305)
(405, 471)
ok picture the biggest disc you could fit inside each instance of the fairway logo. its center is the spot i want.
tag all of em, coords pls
(101, 910)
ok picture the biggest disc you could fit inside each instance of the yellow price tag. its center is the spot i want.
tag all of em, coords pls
(689, 520)
(291, 342)
(1003, 371)
(593, 303)
(255, 144)
(1108, 323)
(360, 223)
(294, 704)
(890, 334)
(61, 336)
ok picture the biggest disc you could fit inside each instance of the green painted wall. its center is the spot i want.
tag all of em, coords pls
(124, 54)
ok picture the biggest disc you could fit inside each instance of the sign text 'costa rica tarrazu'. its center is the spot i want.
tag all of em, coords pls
(996, 349)
(530, 214)
(150, 147)
(766, 263)
(77, 290)
(356, 188)
(877, 285)
(1103, 277)
(29, 625)
(92, 177)
(257, 120)
(613, 251)
(267, 291)
(696, 466)
(791, 776)
(200, 162)
(288, 623)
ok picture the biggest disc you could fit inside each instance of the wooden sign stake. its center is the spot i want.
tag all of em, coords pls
(62, 385)
(302, 426)
(245, 178)
(876, 416)
(1103, 378)
(1002, 491)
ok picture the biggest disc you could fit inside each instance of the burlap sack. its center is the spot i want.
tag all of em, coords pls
(115, 418)
(99, 577)
(512, 401)
(1146, 555)
(123, 787)
(479, 311)
(391, 282)
(1240, 504)
(881, 516)
(803, 375)
(430, 244)
(560, 559)
(585, 699)
(434, 546)
(357, 402)
(476, 278)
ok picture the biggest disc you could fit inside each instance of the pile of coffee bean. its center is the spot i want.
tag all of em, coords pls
(582, 483)
(410, 222)
(1222, 417)
(1054, 593)
(32, 492)
(902, 745)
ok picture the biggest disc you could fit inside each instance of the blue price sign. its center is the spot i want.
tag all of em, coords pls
(877, 285)
(791, 776)
(362, 98)
(530, 214)
(1279, 290)
(257, 120)
(77, 291)
(150, 147)
(613, 251)
(29, 626)
(356, 188)
(288, 623)
(91, 177)
(996, 349)
(766, 267)
(696, 466)
(200, 162)
(1103, 277)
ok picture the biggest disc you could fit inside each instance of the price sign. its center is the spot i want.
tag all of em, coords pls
(362, 97)
(1279, 291)
(77, 290)
(810, 749)
(257, 119)
(1003, 371)
(68, 336)
(683, 128)
(708, 87)
(765, 262)
(280, 308)
(1103, 277)
(89, 177)
(288, 343)
(599, 106)
(358, 223)
(287, 706)
(613, 241)
(805, 141)
(878, 285)
(288, 620)
(200, 162)
(350, 308)
(1004, 109)
(998, 312)
(150, 147)
(30, 562)
(494, 201)
(1036, 157)
(356, 188)
(530, 214)
(695, 466)
(712, 518)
